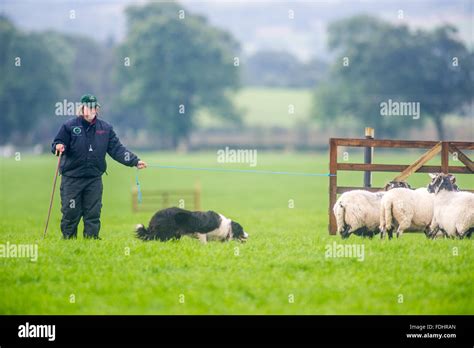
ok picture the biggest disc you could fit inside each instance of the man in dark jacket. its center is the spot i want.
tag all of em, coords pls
(84, 141)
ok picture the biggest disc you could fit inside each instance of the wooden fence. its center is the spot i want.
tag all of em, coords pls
(153, 200)
(434, 148)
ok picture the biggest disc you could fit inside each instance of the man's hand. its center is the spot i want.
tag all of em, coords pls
(59, 149)
(141, 165)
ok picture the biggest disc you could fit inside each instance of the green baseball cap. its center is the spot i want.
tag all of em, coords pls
(90, 100)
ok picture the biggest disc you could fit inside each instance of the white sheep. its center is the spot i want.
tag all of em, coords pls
(407, 209)
(453, 212)
(357, 211)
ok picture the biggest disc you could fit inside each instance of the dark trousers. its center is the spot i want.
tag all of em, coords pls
(81, 197)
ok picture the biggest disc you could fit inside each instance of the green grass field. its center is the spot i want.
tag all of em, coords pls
(284, 258)
(267, 107)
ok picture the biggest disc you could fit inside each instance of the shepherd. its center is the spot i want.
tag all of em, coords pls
(83, 143)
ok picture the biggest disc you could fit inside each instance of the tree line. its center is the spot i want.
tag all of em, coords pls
(379, 65)
(172, 64)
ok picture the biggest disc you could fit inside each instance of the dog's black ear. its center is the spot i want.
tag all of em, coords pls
(182, 218)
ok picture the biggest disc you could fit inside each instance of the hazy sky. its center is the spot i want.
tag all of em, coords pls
(256, 24)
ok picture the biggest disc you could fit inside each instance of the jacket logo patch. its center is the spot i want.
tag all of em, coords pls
(100, 132)
(77, 130)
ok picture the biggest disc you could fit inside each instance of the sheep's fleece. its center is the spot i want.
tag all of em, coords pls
(357, 210)
(453, 213)
(411, 209)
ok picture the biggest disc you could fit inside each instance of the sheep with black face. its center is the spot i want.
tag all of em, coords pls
(453, 212)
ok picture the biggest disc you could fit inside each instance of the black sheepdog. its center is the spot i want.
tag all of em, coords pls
(172, 223)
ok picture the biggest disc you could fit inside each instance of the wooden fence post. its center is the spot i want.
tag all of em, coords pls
(368, 153)
(445, 157)
(332, 184)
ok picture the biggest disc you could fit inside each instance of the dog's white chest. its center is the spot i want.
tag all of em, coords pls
(219, 233)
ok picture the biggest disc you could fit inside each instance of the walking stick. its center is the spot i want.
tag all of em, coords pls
(52, 195)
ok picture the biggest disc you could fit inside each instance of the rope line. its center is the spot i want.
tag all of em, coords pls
(239, 170)
(139, 191)
(139, 195)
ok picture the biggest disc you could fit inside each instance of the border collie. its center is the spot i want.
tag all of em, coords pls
(172, 223)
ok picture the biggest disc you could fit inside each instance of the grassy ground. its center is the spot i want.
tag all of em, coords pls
(283, 260)
(268, 107)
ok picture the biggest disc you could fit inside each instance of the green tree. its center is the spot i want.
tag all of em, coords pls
(377, 61)
(88, 64)
(271, 69)
(32, 76)
(176, 67)
(282, 69)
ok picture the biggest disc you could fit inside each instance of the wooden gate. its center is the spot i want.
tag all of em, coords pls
(434, 148)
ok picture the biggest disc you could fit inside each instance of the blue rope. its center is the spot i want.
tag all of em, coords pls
(139, 196)
(239, 170)
(139, 191)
